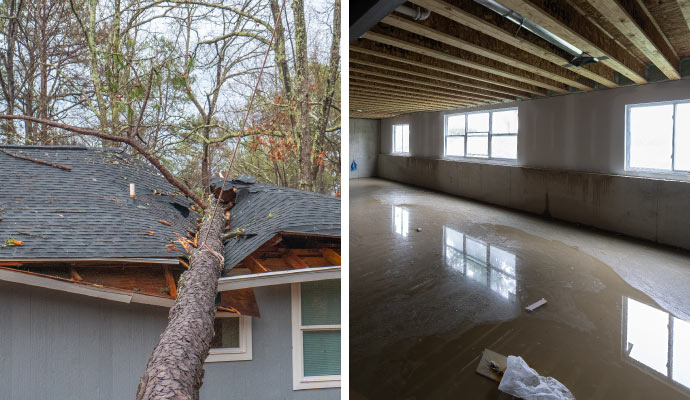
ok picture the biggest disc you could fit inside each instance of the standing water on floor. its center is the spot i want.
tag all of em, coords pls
(425, 303)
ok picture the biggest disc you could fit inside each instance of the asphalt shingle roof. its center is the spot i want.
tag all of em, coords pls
(262, 211)
(86, 212)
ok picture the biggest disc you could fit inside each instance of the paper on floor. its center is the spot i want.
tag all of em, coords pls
(522, 381)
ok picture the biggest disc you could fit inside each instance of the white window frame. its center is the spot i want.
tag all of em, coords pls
(490, 135)
(299, 381)
(402, 146)
(242, 353)
(654, 171)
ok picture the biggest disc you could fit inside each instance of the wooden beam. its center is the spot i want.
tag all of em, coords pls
(331, 256)
(414, 96)
(449, 72)
(75, 275)
(684, 6)
(294, 261)
(634, 21)
(387, 95)
(505, 31)
(254, 265)
(413, 73)
(412, 89)
(561, 19)
(385, 102)
(410, 42)
(484, 45)
(170, 280)
(373, 76)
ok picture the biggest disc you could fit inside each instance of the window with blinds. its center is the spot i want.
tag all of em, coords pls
(316, 334)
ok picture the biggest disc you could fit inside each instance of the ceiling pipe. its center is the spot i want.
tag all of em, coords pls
(420, 14)
(531, 26)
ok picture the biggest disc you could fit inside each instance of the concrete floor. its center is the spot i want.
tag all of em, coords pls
(423, 305)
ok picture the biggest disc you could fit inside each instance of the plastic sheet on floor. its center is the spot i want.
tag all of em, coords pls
(522, 381)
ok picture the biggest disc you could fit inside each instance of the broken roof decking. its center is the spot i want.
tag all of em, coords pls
(86, 213)
(264, 211)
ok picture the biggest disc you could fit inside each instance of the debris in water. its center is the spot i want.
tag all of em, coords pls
(492, 365)
(419, 229)
(521, 381)
(536, 305)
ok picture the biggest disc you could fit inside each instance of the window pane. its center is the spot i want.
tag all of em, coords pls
(478, 145)
(453, 238)
(406, 139)
(321, 302)
(683, 137)
(321, 353)
(478, 122)
(397, 138)
(504, 122)
(502, 260)
(476, 250)
(504, 147)
(681, 351)
(502, 284)
(226, 333)
(456, 125)
(454, 259)
(651, 137)
(647, 331)
(455, 146)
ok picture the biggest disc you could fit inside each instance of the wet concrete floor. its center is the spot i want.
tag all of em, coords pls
(423, 305)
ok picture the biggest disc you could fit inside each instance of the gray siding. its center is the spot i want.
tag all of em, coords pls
(364, 146)
(64, 346)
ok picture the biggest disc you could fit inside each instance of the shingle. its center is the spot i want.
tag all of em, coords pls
(86, 212)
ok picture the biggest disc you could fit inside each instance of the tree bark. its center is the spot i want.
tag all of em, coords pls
(175, 370)
(302, 96)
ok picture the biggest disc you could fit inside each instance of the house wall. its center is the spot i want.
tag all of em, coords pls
(571, 164)
(364, 146)
(63, 346)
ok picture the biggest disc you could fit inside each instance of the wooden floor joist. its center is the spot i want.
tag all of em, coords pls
(413, 74)
(388, 95)
(379, 83)
(634, 21)
(380, 77)
(497, 27)
(442, 70)
(561, 19)
(365, 104)
(407, 41)
(461, 37)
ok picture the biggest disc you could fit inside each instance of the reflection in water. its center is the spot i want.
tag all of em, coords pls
(401, 221)
(481, 262)
(657, 340)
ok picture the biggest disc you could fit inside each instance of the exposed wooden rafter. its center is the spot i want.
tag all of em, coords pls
(634, 21)
(526, 81)
(498, 28)
(561, 19)
(466, 39)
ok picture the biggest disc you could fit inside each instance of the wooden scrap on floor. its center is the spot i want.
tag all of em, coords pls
(492, 365)
(535, 305)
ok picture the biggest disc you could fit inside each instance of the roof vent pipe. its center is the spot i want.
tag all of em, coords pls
(420, 14)
(530, 26)
(131, 190)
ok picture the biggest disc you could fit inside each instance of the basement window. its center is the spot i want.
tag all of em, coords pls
(487, 134)
(316, 334)
(232, 338)
(658, 137)
(401, 138)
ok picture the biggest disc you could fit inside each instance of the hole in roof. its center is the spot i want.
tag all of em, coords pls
(182, 209)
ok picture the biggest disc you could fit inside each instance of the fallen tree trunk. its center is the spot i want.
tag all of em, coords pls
(175, 369)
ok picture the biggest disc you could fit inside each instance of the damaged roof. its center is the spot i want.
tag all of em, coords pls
(262, 211)
(86, 212)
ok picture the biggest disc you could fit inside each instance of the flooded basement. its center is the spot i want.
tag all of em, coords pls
(425, 304)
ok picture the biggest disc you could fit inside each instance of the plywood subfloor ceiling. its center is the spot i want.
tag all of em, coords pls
(466, 55)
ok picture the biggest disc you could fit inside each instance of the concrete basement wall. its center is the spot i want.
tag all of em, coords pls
(571, 164)
(364, 146)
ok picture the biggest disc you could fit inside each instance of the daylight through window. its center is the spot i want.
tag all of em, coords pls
(488, 134)
(401, 138)
(658, 137)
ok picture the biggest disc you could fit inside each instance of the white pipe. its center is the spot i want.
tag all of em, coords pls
(420, 14)
(131, 190)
